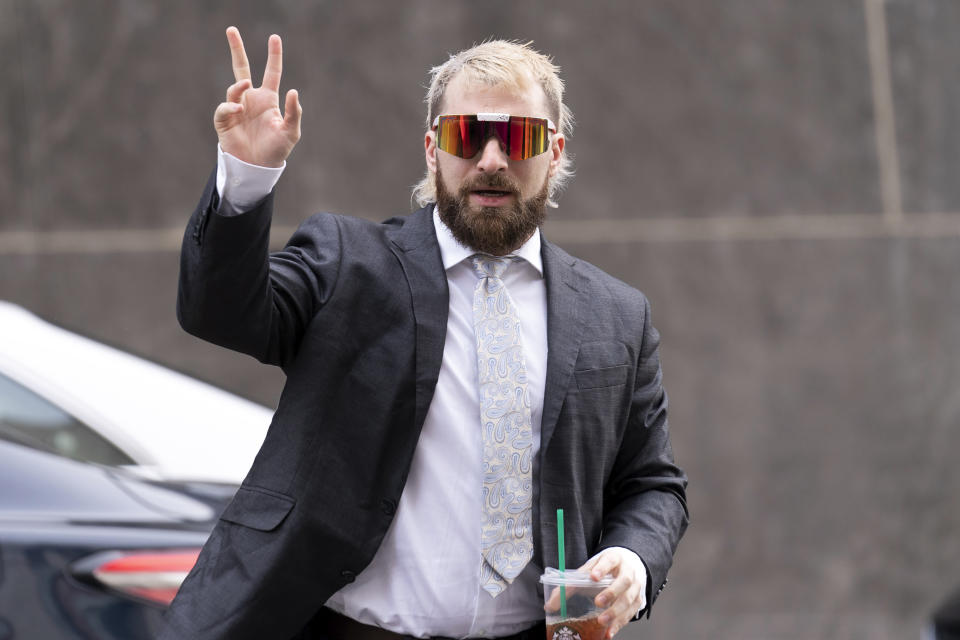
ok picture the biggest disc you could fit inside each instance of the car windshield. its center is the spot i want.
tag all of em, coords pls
(28, 419)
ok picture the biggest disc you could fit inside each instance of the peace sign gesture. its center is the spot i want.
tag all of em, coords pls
(249, 124)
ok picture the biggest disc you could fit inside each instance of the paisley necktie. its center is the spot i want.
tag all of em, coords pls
(506, 542)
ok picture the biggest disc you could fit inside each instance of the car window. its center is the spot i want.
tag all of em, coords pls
(31, 420)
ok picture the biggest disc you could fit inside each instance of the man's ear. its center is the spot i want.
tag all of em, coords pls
(556, 153)
(430, 150)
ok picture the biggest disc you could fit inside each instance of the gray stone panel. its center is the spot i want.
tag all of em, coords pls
(924, 55)
(703, 109)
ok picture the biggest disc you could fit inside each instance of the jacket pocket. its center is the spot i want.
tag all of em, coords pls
(602, 364)
(258, 508)
(605, 377)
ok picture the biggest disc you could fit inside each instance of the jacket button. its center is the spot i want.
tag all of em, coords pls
(349, 576)
(389, 507)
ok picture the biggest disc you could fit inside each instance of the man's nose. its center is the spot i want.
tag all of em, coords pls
(492, 157)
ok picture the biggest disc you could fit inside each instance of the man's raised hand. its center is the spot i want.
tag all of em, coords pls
(249, 123)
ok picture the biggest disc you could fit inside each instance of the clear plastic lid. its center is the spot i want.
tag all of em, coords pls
(555, 578)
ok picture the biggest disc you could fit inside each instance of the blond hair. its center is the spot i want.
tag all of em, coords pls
(501, 63)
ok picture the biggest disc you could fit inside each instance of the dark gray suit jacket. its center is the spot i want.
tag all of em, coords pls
(355, 313)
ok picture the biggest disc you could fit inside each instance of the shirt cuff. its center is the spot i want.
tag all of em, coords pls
(243, 184)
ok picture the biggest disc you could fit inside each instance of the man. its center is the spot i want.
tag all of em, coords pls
(452, 379)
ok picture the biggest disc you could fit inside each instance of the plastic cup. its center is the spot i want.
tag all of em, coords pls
(580, 621)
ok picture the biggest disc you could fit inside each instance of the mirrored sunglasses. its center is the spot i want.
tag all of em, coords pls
(520, 137)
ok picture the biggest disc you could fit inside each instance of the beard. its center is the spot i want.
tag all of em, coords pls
(493, 230)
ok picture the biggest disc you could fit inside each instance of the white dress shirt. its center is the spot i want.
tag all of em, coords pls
(425, 578)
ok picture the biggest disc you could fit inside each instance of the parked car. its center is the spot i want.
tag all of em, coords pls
(78, 398)
(90, 551)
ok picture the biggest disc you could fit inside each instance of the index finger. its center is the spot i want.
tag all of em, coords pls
(238, 56)
(600, 565)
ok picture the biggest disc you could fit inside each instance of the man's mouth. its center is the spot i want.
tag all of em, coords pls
(490, 197)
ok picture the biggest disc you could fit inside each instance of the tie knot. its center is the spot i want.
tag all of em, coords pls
(487, 266)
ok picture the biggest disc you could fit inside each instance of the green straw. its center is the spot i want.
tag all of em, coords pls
(562, 553)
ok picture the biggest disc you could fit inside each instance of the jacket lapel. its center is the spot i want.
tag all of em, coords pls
(415, 245)
(565, 308)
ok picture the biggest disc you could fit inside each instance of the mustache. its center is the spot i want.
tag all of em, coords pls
(496, 181)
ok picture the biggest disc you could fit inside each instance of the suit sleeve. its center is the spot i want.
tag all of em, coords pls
(645, 506)
(234, 293)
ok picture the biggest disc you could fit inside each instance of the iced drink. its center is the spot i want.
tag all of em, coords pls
(577, 629)
(580, 591)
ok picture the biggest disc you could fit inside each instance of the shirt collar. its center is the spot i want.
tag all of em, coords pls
(453, 253)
